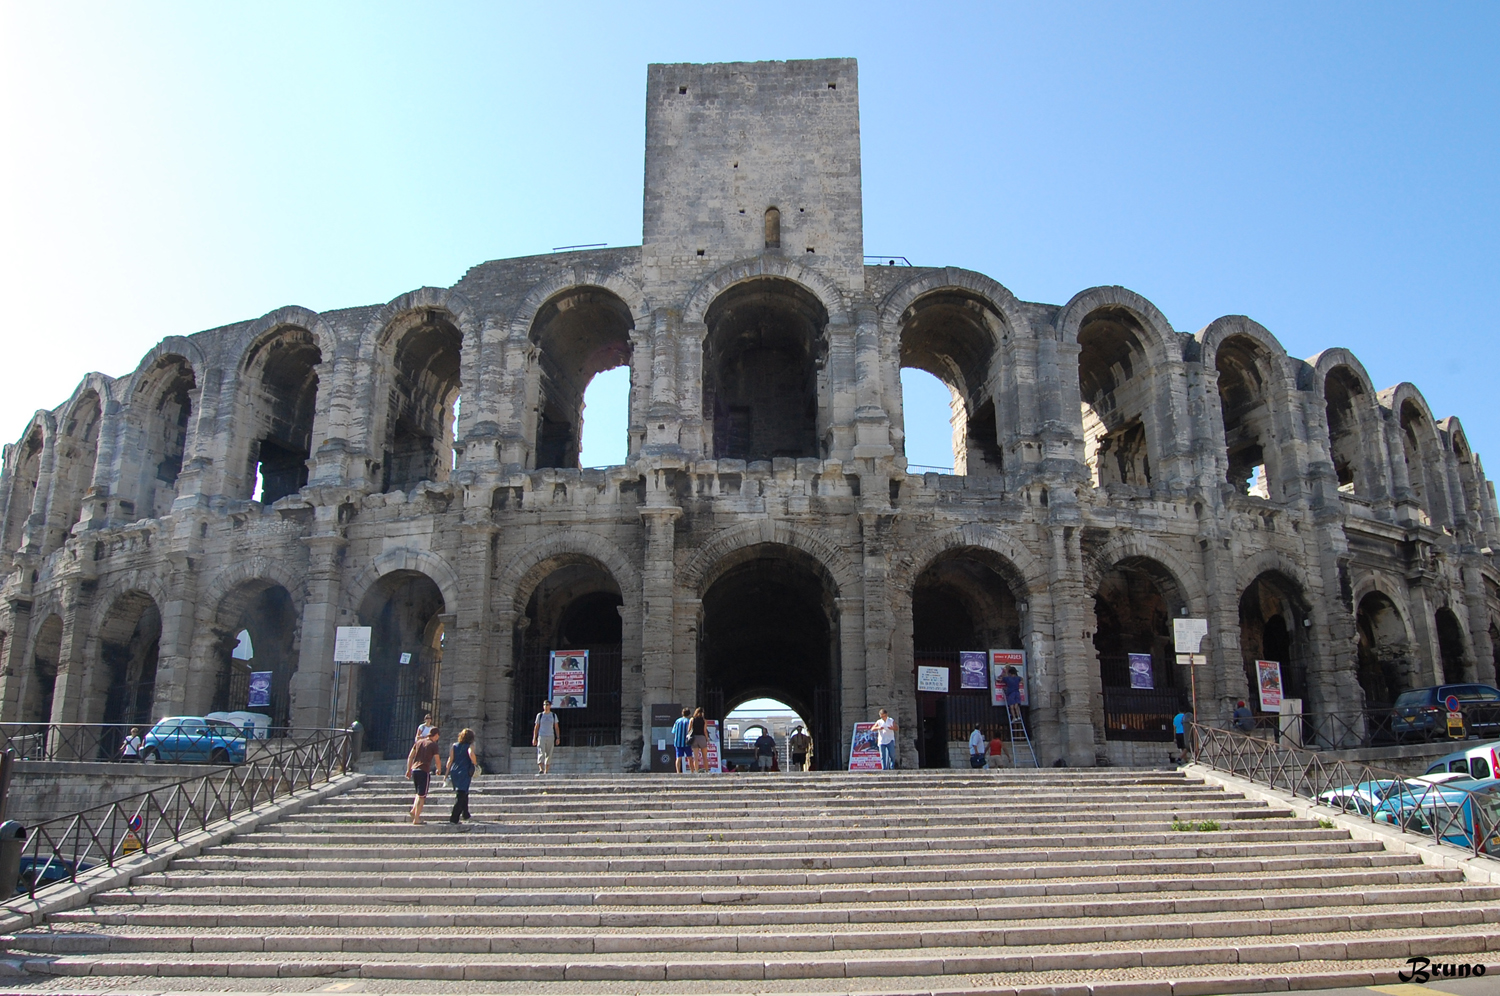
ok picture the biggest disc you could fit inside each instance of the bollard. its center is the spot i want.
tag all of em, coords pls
(12, 843)
(7, 766)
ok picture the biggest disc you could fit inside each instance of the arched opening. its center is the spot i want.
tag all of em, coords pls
(36, 699)
(1417, 441)
(579, 334)
(964, 601)
(404, 610)
(255, 630)
(1273, 614)
(747, 720)
(1143, 689)
(1495, 646)
(164, 407)
(773, 228)
(1472, 508)
(1451, 646)
(951, 335)
(421, 414)
(1114, 384)
(1345, 398)
(129, 643)
(769, 629)
(1383, 654)
(761, 358)
(575, 607)
(282, 372)
(23, 474)
(78, 451)
(1246, 381)
(932, 416)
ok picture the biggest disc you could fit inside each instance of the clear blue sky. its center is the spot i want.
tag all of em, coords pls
(1329, 169)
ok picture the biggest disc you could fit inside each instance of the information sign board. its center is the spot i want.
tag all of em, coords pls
(569, 687)
(1188, 634)
(351, 645)
(932, 679)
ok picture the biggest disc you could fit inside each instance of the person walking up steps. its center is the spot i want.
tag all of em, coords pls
(461, 766)
(798, 744)
(680, 741)
(698, 738)
(765, 750)
(544, 736)
(420, 765)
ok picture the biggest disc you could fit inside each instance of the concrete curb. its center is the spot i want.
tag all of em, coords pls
(1482, 870)
(32, 912)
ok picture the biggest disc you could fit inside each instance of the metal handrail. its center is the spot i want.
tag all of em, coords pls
(1358, 728)
(1423, 808)
(137, 826)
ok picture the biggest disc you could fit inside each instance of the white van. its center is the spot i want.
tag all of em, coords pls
(1481, 761)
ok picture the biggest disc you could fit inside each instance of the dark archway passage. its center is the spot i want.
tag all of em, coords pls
(1451, 646)
(404, 610)
(283, 376)
(36, 701)
(129, 643)
(578, 334)
(964, 600)
(575, 607)
(265, 612)
(770, 629)
(422, 405)
(1272, 614)
(1133, 609)
(1383, 653)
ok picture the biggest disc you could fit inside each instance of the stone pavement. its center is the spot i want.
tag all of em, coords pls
(1072, 880)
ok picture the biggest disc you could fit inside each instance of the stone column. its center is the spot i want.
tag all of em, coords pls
(872, 423)
(1075, 659)
(658, 682)
(495, 736)
(1479, 623)
(468, 661)
(78, 695)
(15, 624)
(312, 685)
(176, 690)
(853, 659)
(35, 536)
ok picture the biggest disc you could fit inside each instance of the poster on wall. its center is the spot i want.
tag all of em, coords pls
(932, 679)
(260, 689)
(864, 748)
(1001, 661)
(1140, 671)
(570, 679)
(715, 757)
(971, 669)
(1268, 677)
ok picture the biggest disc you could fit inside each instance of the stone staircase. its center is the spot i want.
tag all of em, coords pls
(893, 882)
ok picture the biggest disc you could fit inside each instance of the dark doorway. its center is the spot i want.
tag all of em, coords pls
(256, 630)
(404, 610)
(1273, 627)
(1133, 609)
(770, 629)
(1451, 646)
(1383, 653)
(128, 646)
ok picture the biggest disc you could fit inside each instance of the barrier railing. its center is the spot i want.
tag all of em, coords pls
(1458, 816)
(57, 851)
(1375, 727)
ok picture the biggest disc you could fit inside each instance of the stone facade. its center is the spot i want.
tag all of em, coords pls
(416, 469)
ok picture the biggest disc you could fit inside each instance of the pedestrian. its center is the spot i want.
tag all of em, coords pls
(1012, 682)
(797, 744)
(1180, 730)
(423, 729)
(680, 741)
(765, 750)
(130, 750)
(1244, 719)
(421, 763)
(698, 740)
(976, 748)
(885, 729)
(545, 732)
(461, 767)
(997, 749)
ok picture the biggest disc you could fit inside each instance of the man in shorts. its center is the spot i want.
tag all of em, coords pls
(544, 734)
(421, 764)
(1180, 731)
(798, 744)
(681, 741)
(765, 750)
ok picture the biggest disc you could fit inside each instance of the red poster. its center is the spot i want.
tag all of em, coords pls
(864, 749)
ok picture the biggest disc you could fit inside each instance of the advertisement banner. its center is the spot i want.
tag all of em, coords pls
(971, 669)
(932, 679)
(715, 762)
(864, 748)
(260, 689)
(1140, 671)
(1268, 677)
(1001, 661)
(570, 679)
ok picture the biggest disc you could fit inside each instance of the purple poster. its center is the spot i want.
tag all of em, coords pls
(1140, 671)
(971, 669)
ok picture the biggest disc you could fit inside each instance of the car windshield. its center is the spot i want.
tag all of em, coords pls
(1408, 700)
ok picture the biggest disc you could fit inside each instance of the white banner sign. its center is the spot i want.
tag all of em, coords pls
(932, 679)
(1188, 634)
(351, 645)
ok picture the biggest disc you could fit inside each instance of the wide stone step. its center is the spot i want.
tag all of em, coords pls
(245, 858)
(583, 878)
(710, 965)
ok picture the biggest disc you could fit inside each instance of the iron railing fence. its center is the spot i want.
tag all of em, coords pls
(1441, 811)
(1386, 727)
(95, 741)
(57, 851)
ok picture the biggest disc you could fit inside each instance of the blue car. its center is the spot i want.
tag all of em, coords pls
(193, 739)
(1457, 812)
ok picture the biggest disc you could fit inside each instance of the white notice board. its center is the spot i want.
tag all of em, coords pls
(351, 645)
(1188, 634)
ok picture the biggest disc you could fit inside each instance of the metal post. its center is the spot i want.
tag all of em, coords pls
(7, 765)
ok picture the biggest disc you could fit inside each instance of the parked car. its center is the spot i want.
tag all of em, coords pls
(46, 870)
(1478, 761)
(193, 739)
(1421, 713)
(1457, 812)
(1365, 797)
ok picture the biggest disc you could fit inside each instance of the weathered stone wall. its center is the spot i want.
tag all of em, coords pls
(473, 543)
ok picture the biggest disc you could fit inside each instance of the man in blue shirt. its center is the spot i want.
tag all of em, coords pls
(680, 741)
(1179, 727)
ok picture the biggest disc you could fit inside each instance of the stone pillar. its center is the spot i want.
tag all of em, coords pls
(1074, 658)
(495, 736)
(838, 393)
(468, 659)
(853, 660)
(887, 652)
(35, 536)
(872, 423)
(78, 695)
(312, 685)
(659, 681)
(693, 436)
(15, 630)
(1479, 623)
(180, 686)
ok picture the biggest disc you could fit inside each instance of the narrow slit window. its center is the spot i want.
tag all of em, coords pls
(773, 228)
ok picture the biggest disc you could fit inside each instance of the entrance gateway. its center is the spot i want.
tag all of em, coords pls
(413, 467)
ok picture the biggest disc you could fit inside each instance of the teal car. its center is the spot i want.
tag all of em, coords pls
(193, 739)
(1458, 812)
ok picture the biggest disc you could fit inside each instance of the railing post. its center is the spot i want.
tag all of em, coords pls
(7, 766)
